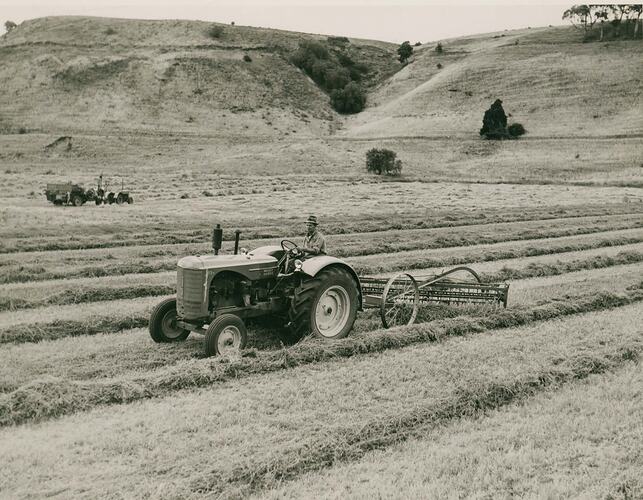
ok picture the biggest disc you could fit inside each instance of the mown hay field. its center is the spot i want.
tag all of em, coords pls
(79, 367)
(541, 397)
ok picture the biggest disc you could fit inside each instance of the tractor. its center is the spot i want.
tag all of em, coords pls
(316, 294)
(310, 294)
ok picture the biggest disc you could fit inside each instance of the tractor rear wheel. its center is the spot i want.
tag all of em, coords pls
(77, 200)
(325, 305)
(225, 336)
(163, 327)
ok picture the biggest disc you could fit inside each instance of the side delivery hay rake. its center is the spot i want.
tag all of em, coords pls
(398, 298)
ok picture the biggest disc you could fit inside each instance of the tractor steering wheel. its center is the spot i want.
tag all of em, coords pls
(291, 248)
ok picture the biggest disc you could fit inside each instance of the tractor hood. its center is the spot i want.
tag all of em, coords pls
(249, 266)
(226, 261)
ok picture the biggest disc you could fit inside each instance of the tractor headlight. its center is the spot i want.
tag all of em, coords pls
(298, 264)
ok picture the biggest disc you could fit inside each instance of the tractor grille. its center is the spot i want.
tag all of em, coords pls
(190, 293)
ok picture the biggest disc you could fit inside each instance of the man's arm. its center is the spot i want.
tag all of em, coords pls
(315, 245)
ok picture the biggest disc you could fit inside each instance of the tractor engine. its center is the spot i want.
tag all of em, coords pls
(229, 289)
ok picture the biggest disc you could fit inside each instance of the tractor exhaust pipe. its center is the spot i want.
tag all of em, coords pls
(237, 233)
(217, 238)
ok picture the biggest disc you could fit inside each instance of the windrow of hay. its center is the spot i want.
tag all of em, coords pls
(269, 229)
(352, 443)
(85, 294)
(413, 259)
(35, 332)
(54, 397)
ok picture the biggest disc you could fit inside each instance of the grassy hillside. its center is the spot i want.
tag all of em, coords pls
(549, 81)
(98, 74)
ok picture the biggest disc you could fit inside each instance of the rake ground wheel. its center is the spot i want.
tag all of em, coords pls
(400, 301)
(325, 305)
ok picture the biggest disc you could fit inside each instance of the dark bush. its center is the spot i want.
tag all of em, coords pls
(383, 162)
(215, 31)
(110, 31)
(417, 44)
(338, 40)
(404, 51)
(438, 48)
(22, 130)
(9, 25)
(439, 66)
(247, 58)
(516, 130)
(350, 99)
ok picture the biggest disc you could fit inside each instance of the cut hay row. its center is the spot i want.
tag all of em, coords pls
(249, 434)
(54, 397)
(79, 290)
(359, 243)
(132, 235)
(20, 326)
(107, 355)
(553, 435)
(353, 443)
(422, 259)
(419, 258)
(86, 294)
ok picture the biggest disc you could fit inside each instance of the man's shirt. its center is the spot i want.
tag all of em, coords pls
(316, 242)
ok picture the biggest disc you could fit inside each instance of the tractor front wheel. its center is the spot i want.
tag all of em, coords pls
(225, 336)
(163, 327)
(325, 305)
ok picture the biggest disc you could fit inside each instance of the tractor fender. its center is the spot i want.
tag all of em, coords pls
(314, 265)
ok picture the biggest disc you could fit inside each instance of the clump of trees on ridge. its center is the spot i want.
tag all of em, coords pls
(619, 20)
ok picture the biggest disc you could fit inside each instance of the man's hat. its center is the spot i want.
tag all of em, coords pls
(311, 220)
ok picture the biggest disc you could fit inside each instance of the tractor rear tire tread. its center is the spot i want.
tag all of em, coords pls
(300, 312)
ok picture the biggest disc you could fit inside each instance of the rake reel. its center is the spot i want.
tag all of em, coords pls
(399, 297)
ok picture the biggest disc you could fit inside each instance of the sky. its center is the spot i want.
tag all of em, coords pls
(390, 20)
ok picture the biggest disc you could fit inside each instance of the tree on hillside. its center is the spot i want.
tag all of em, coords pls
(350, 99)
(494, 122)
(383, 161)
(634, 16)
(404, 51)
(600, 13)
(9, 25)
(580, 16)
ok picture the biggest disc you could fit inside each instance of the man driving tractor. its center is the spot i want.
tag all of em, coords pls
(314, 242)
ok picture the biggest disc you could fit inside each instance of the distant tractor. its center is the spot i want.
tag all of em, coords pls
(69, 193)
(310, 294)
(215, 293)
